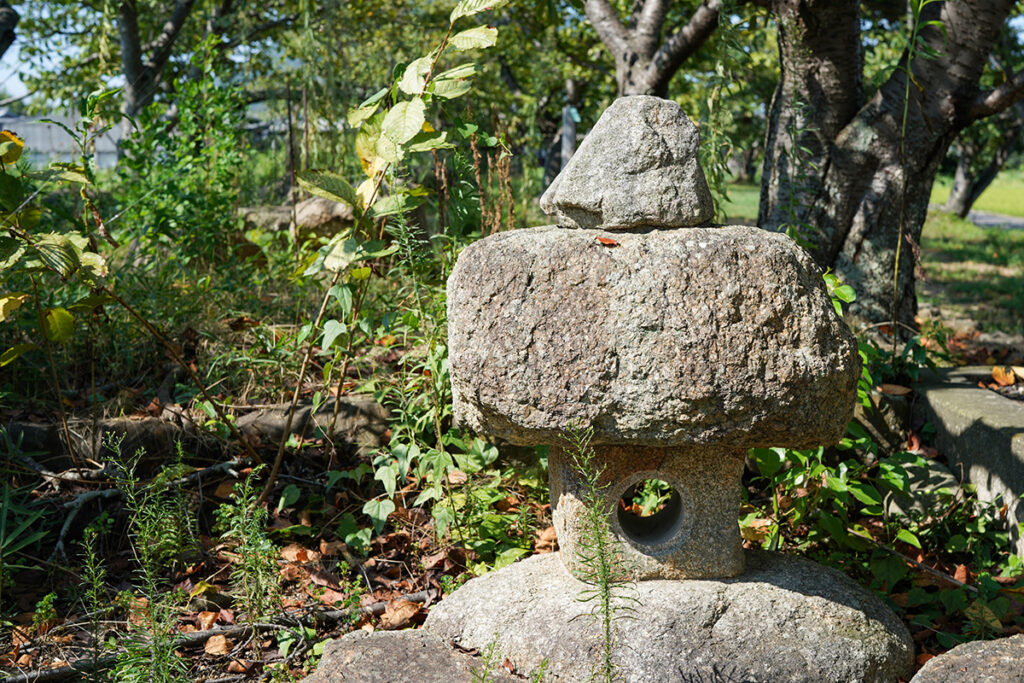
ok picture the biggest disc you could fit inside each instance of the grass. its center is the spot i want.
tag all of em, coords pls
(742, 204)
(974, 272)
(1005, 195)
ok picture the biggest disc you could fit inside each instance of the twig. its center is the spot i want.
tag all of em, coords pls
(934, 572)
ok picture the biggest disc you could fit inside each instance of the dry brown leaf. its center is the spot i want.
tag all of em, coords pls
(20, 636)
(292, 572)
(398, 613)
(894, 389)
(225, 489)
(329, 597)
(368, 627)
(1003, 376)
(508, 665)
(324, 578)
(961, 573)
(206, 620)
(757, 530)
(331, 548)
(137, 611)
(294, 552)
(923, 658)
(218, 645)
(432, 561)
(238, 666)
(547, 541)
(457, 477)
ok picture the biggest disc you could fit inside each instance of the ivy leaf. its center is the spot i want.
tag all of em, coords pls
(378, 511)
(388, 475)
(58, 325)
(404, 121)
(343, 294)
(328, 185)
(477, 37)
(332, 330)
(415, 76)
(468, 8)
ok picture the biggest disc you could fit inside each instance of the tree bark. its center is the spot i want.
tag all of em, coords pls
(644, 64)
(142, 73)
(973, 175)
(8, 22)
(839, 171)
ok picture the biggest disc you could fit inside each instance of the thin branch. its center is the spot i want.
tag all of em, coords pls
(165, 41)
(990, 102)
(686, 40)
(649, 23)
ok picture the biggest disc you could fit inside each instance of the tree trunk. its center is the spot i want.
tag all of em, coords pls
(973, 175)
(644, 64)
(8, 22)
(839, 172)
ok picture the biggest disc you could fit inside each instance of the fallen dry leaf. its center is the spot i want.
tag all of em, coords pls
(398, 613)
(225, 489)
(894, 389)
(292, 572)
(1003, 376)
(331, 548)
(329, 597)
(457, 477)
(961, 573)
(923, 658)
(206, 620)
(547, 541)
(25, 659)
(294, 552)
(757, 530)
(608, 242)
(238, 666)
(324, 578)
(218, 645)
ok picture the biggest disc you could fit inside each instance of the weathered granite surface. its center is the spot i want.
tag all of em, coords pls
(785, 619)
(672, 337)
(400, 657)
(984, 661)
(695, 536)
(637, 167)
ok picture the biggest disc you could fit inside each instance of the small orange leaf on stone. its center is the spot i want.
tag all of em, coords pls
(923, 658)
(1003, 376)
(608, 242)
(217, 645)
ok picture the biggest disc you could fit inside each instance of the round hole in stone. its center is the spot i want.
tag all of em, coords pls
(650, 512)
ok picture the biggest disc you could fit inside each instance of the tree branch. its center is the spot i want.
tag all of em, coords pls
(990, 102)
(8, 22)
(165, 41)
(131, 51)
(686, 41)
(606, 22)
(648, 26)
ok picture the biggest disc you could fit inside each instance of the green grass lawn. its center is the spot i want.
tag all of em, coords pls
(742, 204)
(1005, 195)
(974, 272)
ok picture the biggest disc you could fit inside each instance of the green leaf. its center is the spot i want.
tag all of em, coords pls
(388, 475)
(58, 252)
(845, 292)
(10, 192)
(11, 251)
(378, 511)
(90, 303)
(461, 71)
(428, 140)
(404, 120)
(10, 303)
(332, 330)
(374, 99)
(58, 325)
(477, 37)
(357, 274)
(93, 268)
(907, 537)
(73, 173)
(343, 295)
(387, 149)
(400, 202)
(450, 89)
(468, 8)
(289, 497)
(329, 185)
(11, 354)
(415, 75)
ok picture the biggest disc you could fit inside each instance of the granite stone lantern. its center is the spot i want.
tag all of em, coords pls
(682, 344)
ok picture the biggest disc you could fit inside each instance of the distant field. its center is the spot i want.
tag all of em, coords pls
(1005, 195)
(742, 204)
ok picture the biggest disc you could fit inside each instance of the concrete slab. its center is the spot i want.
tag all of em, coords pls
(981, 434)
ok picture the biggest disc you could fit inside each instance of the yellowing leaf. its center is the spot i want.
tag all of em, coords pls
(12, 354)
(10, 303)
(363, 192)
(218, 645)
(468, 8)
(414, 77)
(477, 37)
(58, 325)
(11, 147)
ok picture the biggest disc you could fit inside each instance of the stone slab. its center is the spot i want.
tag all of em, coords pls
(413, 656)
(982, 436)
(785, 619)
(983, 661)
(664, 338)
